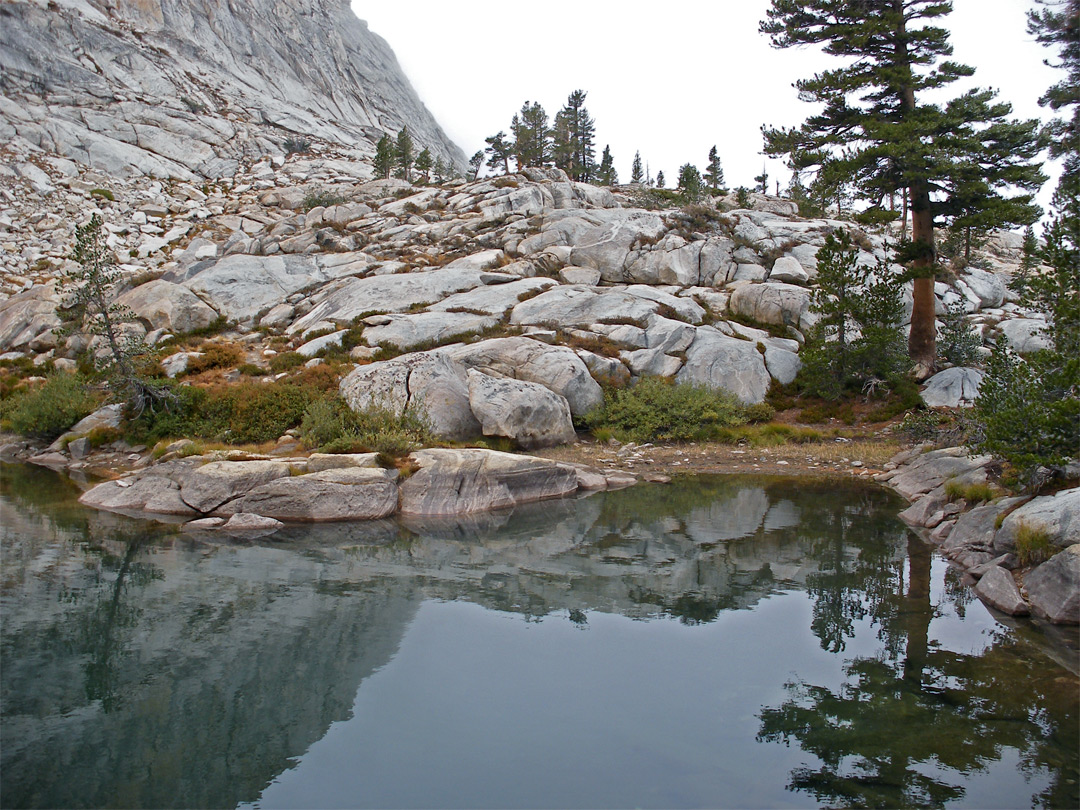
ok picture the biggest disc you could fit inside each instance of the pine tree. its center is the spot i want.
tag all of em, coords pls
(605, 174)
(876, 130)
(499, 152)
(384, 157)
(659, 179)
(532, 137)
(1029, 407)
(573, 134)
(475, 162)
(440, 170)
(857, 342)
(637, 174)
(763, 181)
(403, 155)
(714, 172)
(89, 289)
(423, 165)
(690, 186)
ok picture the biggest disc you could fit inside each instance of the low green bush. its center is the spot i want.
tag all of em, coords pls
(241, 413)
(216, 355)
(658, 410)
(286, 361)
(332, 426)
(48, 411)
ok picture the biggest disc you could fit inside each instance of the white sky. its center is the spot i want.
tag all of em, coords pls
(668, 78)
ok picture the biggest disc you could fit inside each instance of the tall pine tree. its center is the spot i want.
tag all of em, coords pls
(532, 137)
(403, 155)
(384, 157)
(876, 128)
(574, 132)
(714, 172)
(637, 174)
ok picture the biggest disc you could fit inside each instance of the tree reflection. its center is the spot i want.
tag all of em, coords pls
(100, 629)
(909, 725)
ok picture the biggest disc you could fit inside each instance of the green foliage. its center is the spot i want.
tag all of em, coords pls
(605, 174)
(532, 138)
(658, 410)
(572, 140)
(423, 164)
(957, 342)
(48, 411)
(286, 361)
(322, 198)
(241, 413)
(742, 197)
(403, 155)
(1033, 544)
(333, 427)
(714, 172)
(1029, 411)
(104, 193)
(89, 290)
(691, 188)
(216, 355)
(874, 125)
(296, 146)
(857, 344)
(637, 173)
(384, 158)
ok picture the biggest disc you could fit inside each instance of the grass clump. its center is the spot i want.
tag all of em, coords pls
(1033, 544)
(333, 427)
(658, 410)
(972, 493)
(48, 411)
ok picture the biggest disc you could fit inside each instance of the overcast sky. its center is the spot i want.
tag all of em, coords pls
(669, 78)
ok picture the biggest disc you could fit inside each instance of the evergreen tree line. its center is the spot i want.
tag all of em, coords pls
(398, 157)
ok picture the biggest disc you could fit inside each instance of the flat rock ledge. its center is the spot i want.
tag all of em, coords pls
(987, 540)
(262, 494)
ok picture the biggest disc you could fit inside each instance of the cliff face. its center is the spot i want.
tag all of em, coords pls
(188, 88)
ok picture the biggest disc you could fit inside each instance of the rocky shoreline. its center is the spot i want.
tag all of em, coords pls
(248, 496)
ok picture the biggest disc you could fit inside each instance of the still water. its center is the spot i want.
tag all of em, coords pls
(718, 642)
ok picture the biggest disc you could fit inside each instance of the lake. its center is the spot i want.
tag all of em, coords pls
(721, 641)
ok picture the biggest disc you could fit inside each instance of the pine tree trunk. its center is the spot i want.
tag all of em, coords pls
(922, 341)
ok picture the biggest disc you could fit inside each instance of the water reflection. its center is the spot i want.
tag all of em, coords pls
(144, 667)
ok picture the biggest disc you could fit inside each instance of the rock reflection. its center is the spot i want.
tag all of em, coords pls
(167, 669)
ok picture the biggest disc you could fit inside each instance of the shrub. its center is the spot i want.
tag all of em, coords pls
(241, 413)
(857, 344)
(322, 198)
(759, 412)
(48, 411)
(657, 409)
(742, 197)
(285, 361)
(296, 146)
(1033, 544)
(332, 426)
(216, 355)
(957, 343)
(103, 193)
